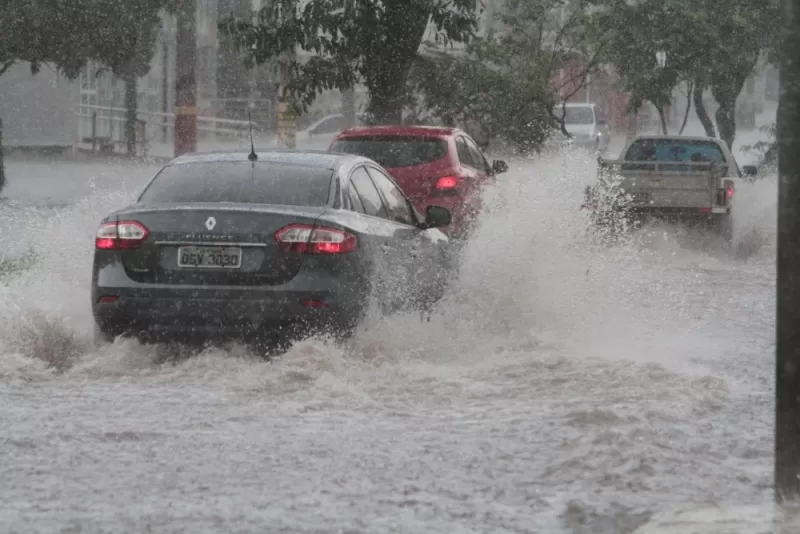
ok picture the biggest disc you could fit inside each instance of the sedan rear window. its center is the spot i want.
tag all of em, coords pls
(240, 182)
(394, 151)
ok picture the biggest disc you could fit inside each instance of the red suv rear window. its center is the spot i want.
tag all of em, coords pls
(394, 151)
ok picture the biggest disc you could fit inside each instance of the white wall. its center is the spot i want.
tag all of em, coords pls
(37, 110)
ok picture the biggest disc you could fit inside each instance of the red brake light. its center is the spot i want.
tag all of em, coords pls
(447, 182)
(446, 186)
(308, 239)
(729, 190)
(122, 235)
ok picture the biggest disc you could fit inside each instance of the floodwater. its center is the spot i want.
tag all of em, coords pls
(563, 386)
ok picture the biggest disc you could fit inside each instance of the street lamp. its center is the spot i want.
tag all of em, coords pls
(661, 58)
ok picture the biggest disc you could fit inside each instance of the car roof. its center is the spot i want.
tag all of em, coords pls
(399, 129)
(309, 158)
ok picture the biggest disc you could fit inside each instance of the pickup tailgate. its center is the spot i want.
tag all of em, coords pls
(669, 185)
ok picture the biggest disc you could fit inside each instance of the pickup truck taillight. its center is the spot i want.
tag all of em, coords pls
(729, 190)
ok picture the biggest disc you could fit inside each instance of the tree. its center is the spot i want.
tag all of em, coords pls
(123, 39)
(373, 41)
(119, 34)
(40, 33)
(634, 34)
(737, 33)
(712, 44)
(506, 79)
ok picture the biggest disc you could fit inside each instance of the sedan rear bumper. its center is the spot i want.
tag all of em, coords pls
(125, 311)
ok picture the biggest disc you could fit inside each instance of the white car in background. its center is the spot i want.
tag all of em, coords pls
(587, 125)
(321, 133)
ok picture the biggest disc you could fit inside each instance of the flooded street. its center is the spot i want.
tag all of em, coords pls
(562, 386)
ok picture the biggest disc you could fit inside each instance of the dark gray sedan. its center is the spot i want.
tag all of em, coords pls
(290, 243)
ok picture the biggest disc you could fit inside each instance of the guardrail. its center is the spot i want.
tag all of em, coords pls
(104, 127)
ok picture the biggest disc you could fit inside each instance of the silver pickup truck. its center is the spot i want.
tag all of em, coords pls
(689, 179)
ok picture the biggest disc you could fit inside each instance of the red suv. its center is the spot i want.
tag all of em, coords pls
(441, 166)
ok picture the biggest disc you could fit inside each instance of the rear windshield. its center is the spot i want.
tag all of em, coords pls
(240, 182)
(677, 150)
(396, 151)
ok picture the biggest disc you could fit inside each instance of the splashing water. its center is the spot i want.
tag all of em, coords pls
(562, 385)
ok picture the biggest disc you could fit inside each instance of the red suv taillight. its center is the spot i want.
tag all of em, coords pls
(446, 186)
(121, 235)
(309, 239)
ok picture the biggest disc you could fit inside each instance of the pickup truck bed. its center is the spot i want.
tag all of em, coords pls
(668, 186)
(690, 179)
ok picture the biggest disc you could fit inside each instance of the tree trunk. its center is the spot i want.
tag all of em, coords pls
(688, 106)
(663, 119)
(131, 84)
(700, 109)
(349, 107)
(386, 103)
(391, 57)
(726, 86)
(726, 121)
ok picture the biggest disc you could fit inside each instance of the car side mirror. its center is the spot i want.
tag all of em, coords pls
(499, 166)
(437, 217)
(750, 170)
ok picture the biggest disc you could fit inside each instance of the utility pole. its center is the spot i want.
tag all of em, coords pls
(287, 121)
(185, 83)
(2, 165)
(787, 347)
(165, 84)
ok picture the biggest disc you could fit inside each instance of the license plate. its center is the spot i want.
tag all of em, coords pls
(210, 257)
(641, 198)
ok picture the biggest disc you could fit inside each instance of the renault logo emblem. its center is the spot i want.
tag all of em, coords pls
(211, 223)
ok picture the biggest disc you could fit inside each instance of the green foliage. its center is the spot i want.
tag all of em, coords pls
(714, 43)
(124, 33)
(45, 31)
(120, 34)
(373, 41)
(505, 80)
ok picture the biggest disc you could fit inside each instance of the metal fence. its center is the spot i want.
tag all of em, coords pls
(103, 127)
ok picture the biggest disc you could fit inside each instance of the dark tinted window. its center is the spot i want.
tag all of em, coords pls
(477, 155)
(464, 155)
(355, 200)
(236, 181)
(395, 202)
(394, 151)
(678, 150)
(373, 205)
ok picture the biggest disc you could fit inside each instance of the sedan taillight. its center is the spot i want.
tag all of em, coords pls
(309, 239)
(120, 235)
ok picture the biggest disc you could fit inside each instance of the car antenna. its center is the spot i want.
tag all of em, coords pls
(252, 156)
